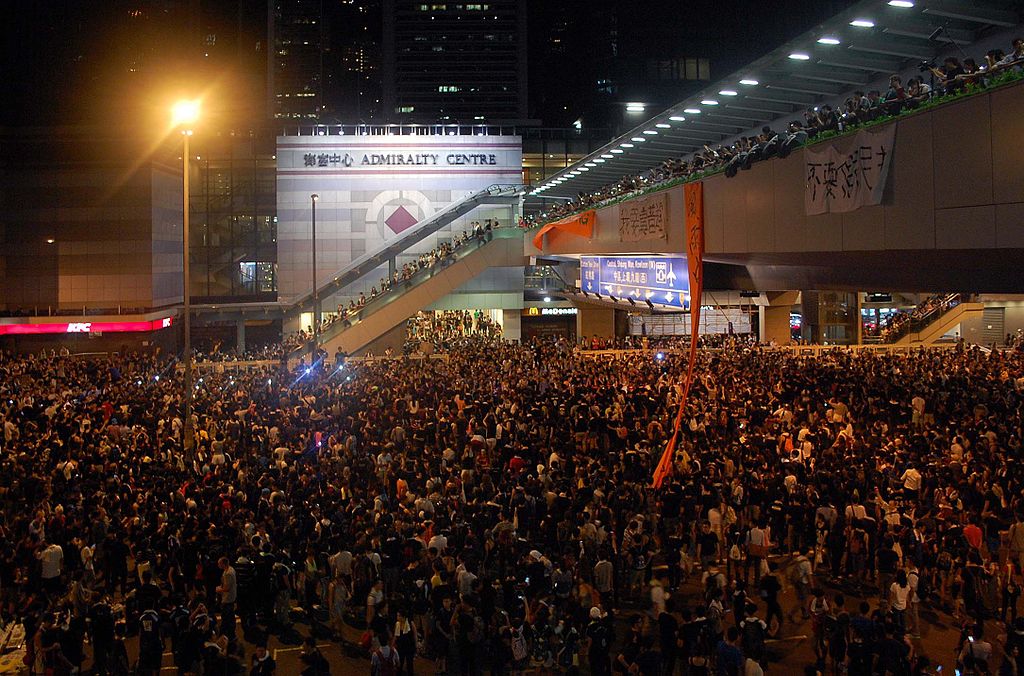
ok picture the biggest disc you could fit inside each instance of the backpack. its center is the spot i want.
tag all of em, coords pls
(562, 583)
(712, 583)
(924, 588)
(752, 639)
(600, 638)
(519, 648)
(149, 629)
(714, 620)
(387, 666)
(477, 633)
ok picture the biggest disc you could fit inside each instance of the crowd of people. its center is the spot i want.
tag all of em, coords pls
(949, 78)
(444, 330)
(493, 510)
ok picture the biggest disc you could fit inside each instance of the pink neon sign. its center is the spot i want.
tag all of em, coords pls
(85, 327)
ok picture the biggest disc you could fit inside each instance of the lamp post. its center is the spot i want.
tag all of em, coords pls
(316, 295)
(183, 115)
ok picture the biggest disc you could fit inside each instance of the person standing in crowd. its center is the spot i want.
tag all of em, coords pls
(228, 591)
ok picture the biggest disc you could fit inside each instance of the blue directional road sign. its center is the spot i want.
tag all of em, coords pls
(663, 280)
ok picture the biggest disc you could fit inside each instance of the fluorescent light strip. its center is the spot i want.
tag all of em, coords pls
(800, 56)
(749, 82)
(828, 41)
(863, 23)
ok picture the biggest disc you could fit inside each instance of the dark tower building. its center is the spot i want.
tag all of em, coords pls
(295, 64)
(455, 62)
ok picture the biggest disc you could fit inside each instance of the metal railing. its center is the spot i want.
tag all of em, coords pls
(398, 130)
(919, 323)
(374, 304)
(368, 262)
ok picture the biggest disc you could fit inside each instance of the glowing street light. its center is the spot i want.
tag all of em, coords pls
(184, 114)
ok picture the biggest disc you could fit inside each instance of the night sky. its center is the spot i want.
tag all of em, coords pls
(97, 61)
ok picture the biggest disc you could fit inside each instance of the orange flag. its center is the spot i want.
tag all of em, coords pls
(581, 224)
(693, 198)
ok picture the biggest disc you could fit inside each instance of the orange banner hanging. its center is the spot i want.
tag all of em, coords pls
(693, 199)
(581, 224)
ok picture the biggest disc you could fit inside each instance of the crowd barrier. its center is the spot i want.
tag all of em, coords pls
(264, 364)
(234, 366)
(799, 350)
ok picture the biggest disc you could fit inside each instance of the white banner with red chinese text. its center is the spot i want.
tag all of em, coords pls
(848, 173)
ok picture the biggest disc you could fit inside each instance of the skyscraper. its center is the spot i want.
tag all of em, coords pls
(295, 65)
(454, 61)
(353, 93)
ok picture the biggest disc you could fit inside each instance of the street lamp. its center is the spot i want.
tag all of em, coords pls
(183, 115)
(316, 296)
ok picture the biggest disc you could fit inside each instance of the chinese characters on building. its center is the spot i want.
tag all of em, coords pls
(643, 219)
(848, 174)
(326, 160)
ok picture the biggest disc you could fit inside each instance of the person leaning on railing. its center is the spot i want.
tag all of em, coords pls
(950, 74)
(859, 109)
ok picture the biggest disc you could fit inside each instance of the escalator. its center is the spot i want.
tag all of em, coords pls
(931, 328)
(371, 261)
(386, 312)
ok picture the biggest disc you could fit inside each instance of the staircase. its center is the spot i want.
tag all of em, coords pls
(502, 247)
(372, 260)
(932, 328)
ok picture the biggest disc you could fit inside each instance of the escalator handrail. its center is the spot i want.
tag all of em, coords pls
(382, 300)
(379, 256)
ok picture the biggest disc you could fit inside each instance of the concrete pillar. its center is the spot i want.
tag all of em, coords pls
(512, 324)
(860, 320)
(773, 318)
(595, 321)
(810, 317)
(240, 337)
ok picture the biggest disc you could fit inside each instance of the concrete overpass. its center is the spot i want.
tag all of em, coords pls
(952, 215)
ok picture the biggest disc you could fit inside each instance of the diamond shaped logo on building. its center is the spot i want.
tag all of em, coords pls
(400, 220)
